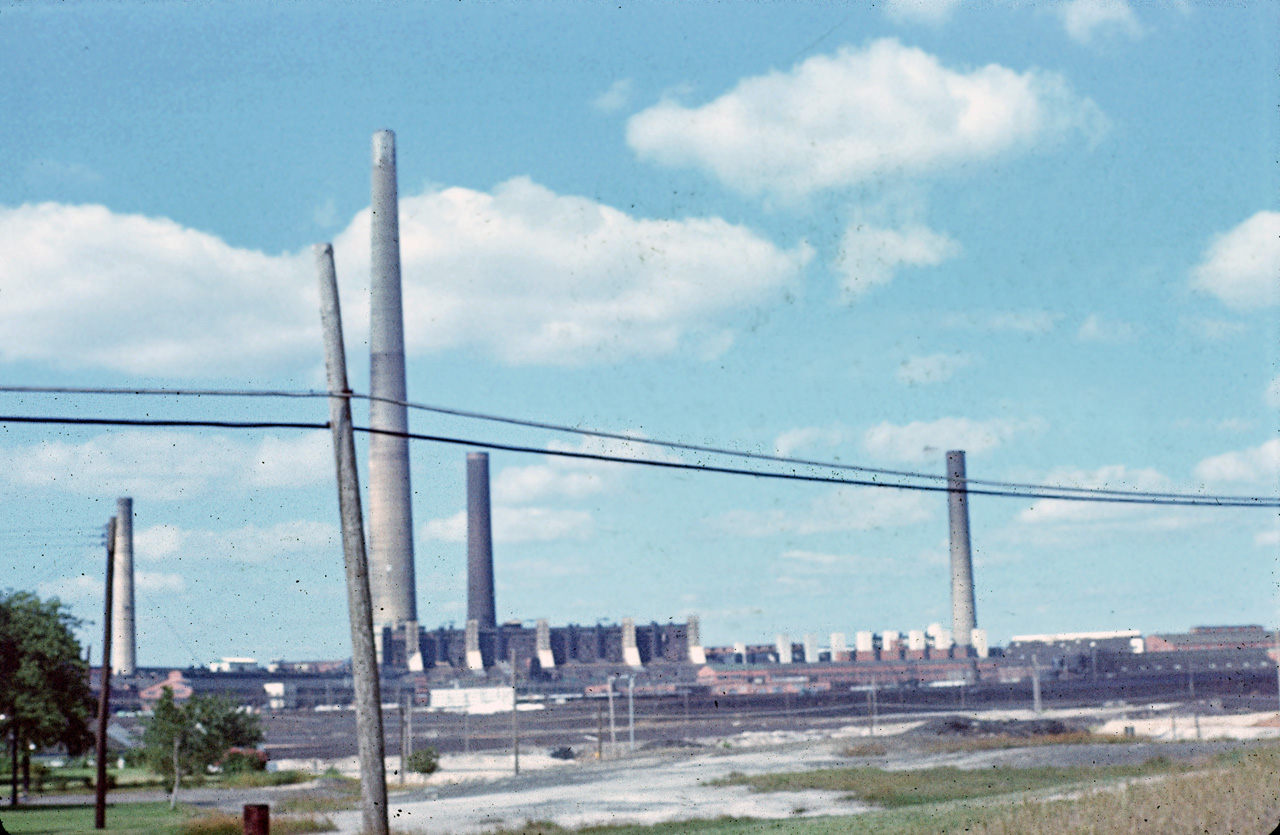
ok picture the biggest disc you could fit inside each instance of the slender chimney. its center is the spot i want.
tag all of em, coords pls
(480, 601)
(123, 634)
(963, 611)
(391, 577)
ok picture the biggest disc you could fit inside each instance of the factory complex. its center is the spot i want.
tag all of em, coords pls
(584, 660)
(663, 657)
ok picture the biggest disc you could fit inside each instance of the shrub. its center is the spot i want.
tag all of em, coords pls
(240, 760)
(425, 761)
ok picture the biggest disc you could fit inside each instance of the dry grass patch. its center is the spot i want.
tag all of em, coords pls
(221, 823)
(894, 789)
(865, 749)
(1002, 741)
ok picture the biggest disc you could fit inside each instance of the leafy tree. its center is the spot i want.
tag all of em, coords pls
(44, 683)
(187, 739)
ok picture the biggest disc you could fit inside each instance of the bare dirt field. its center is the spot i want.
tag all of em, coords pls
(477, 792)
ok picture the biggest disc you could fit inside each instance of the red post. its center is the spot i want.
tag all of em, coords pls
(257, 819)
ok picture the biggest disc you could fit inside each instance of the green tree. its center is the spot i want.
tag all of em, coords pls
(44, 683)
(186, 739)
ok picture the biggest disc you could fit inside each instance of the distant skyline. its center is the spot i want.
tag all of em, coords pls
(1046, 234)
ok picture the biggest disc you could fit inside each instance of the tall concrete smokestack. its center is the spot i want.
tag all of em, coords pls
(963, 610)
(480, 601)
(391, 579)
(123, 635)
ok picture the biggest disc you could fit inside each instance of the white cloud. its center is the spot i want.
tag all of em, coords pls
(1053, 523)
(248, 544)
(843, 509)
(870, 255)
(448, 529)
(934, 368)
(515, 490)
(799, 561)
(89, 587)
(860, 114)
(158, 541)
(1257, 465)
(86, 287)
(615, 447)
(932, 12)
(1242, 266)
(922, 441)
(1087, 20)
(523, 485)
(1096, 328)
(615, 98)
(531, 276)
(521, 273)
(793, 440)
(516, 524)
(167, 466)
(1268, 538)
(539, 524)
(1113, 477)
(159, 582)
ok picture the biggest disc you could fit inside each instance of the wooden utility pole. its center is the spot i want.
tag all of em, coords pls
(631, 712)
(404, 753)
(599, 733)
(871, 708)
(411, 698)
(1035, 684)
(515, 728)
(364, 658)
(104, 682)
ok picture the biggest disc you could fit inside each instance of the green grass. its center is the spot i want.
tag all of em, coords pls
(146, 819)
(258, 779)
(337, 794)
(122, 819)
(1001, 741)
(894, 789)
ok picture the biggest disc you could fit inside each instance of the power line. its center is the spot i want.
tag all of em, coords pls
(928, 488)
(214, 424)
(1047, 492)
(780, 459)
(162, 391)
(1216, 499)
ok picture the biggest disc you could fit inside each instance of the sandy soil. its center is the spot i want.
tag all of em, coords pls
(477, 793)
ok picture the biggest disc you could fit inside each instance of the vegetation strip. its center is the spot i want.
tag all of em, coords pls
(894, 789)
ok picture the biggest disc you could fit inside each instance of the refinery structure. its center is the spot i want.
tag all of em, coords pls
(659, 656)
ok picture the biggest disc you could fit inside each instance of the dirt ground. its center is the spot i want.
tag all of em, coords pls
(475, 793)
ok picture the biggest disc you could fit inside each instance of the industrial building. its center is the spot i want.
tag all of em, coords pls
(664, 656)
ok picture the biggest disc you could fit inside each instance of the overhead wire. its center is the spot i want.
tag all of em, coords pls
(929, 488)
(1048, 493)
(1019, 488)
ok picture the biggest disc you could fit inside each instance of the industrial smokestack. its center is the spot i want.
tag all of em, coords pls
(963, 610)
(123, 634)
(391, 579)
(480, 600)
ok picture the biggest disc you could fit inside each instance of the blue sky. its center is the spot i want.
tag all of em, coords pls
(1043, 233)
